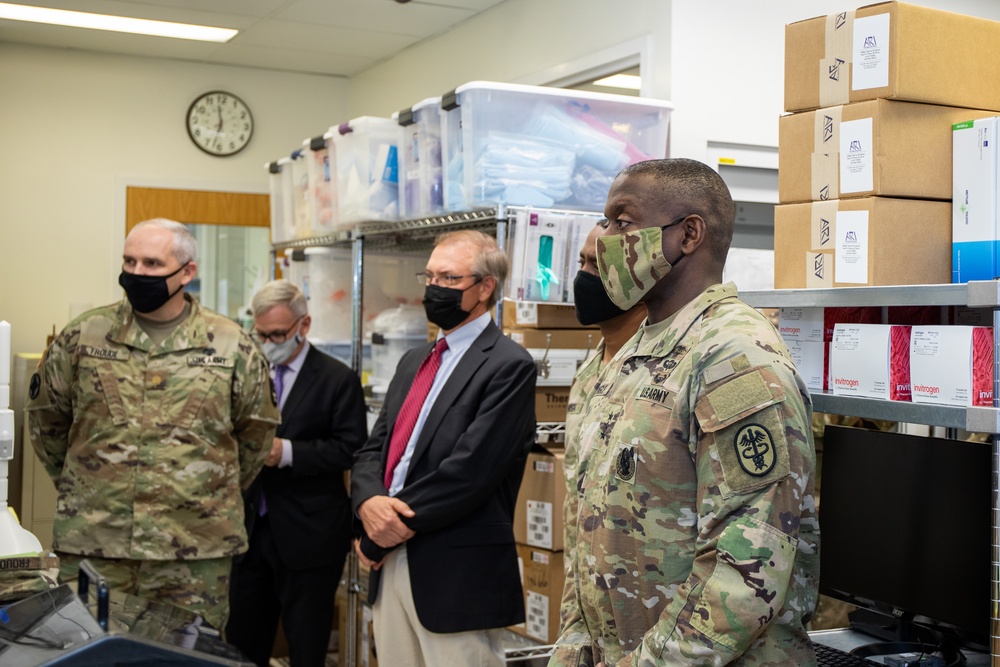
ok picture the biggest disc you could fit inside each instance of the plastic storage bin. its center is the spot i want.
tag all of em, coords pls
(321, 169)
(301, 201)
(544, 147)
(282, 208)
(330, 283)
(420, 178)
(395, 331)
(367, 162)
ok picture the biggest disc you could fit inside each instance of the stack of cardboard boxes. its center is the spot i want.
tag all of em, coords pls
(558, 343)
(865, 158)
(865, 176)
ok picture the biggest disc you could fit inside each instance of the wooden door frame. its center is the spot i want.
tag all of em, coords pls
(121, 227)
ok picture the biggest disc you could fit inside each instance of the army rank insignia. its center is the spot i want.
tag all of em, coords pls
(625, 463)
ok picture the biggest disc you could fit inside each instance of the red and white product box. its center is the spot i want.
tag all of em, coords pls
(952, 365)
(871, 360)
(832, 316)
(801, 324)
(809, 357)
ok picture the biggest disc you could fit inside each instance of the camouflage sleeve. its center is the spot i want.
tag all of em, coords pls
(573, 645)
(255, 411)
(50, 405)
(754, 462)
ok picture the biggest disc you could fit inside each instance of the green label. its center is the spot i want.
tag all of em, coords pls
(962, 126)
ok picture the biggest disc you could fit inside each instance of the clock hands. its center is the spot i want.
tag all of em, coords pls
(218, 128)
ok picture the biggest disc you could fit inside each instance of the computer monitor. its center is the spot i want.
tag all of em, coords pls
(906, 531)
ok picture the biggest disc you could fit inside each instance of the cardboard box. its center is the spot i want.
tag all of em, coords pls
(538, 517)
(801, 324)
(952, 365)
(556, 368)
(542, 577)
(869, 241)
(551, 404)
(975, 224)
(892, 50)
(832, 316)
(871, 360)
(557, 339)
(878, 147)
(810, 361)
(540, 315)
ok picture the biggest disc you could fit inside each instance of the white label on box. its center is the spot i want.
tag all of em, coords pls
(545, 466)
(526, 313)
(539, 517)
(801, 323)
(537, 612)
(856, 173)
(870, 68)
(850, 262)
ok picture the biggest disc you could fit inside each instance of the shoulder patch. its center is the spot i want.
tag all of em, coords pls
(755, 449)
(34, 386)
(753, 452)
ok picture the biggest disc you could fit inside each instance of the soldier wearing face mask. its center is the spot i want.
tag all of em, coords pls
(697, 539)
(151, 415)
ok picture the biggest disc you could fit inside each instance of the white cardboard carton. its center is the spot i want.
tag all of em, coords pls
(809, 359)
(871, 360)
(975, 218)
(801, 324)
(952, 365)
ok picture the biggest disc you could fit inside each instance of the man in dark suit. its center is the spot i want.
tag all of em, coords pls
(436, 484)
(297, 510)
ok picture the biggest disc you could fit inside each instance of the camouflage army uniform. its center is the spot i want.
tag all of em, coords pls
(697, 538)
(149, 446)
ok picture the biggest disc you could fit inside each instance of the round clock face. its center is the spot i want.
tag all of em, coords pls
(219, 123)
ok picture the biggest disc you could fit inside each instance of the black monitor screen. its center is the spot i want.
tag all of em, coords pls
(906, 527)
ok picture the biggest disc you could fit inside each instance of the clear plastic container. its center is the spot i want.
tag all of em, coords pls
(367, 162)
(282, 208)
(421, 192)
(395, 331)
(295, 269)
(322, 185)
(330, 284)
(301, 201)
(544, 147)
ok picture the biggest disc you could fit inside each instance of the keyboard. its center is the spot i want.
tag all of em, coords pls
(827, 656)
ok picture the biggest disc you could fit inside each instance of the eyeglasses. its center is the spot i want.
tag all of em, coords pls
(445, 280)
(275, 336)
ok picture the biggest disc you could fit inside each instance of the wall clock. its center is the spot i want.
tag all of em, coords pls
(219, 123)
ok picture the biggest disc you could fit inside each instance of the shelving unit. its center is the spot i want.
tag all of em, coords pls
(980, 294)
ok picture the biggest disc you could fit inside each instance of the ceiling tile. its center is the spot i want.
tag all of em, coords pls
(292, 60)
(413, 18)
(324, 39)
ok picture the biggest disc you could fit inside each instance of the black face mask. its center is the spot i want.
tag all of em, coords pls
(147, 293)
(593, 305)
(443, 306)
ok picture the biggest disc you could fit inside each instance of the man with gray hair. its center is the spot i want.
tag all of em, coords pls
(150, 415)
(297, 512)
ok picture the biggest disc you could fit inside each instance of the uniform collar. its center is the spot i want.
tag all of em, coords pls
(658, 340)
(194, 332)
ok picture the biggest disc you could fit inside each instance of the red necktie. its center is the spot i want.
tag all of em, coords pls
(407, 418)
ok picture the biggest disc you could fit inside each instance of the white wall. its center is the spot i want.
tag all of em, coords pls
(510, 42)
(76, 127)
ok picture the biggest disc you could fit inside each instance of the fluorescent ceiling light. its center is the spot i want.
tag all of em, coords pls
(114, 23)
(630, 81)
